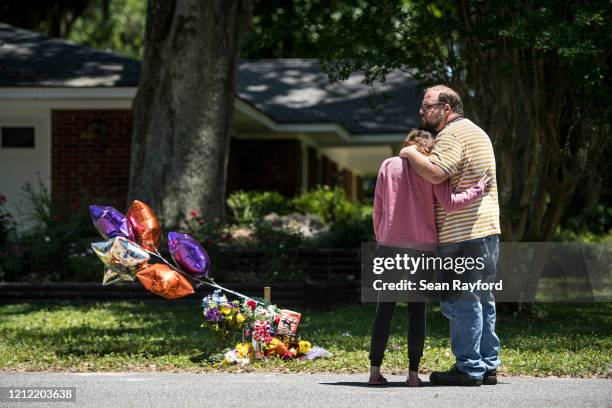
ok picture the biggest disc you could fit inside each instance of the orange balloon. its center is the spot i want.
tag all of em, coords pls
(164, 281)
(146, 227)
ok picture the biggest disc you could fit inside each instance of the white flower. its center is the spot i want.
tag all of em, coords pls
(231, 357)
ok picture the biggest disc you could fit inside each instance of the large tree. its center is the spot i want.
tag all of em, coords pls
(534, 74)
(184, 104)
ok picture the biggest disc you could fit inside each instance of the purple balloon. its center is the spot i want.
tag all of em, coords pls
(110, 223)
(188, 253)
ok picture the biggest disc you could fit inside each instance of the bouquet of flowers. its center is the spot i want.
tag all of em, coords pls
(221, 315)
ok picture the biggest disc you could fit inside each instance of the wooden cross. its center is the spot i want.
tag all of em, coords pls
(267, 294)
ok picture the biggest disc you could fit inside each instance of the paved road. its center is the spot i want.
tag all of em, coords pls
(111, 390)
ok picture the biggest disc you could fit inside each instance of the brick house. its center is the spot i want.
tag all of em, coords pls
(66, 119)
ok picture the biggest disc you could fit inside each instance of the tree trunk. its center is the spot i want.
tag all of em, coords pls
(183, 106)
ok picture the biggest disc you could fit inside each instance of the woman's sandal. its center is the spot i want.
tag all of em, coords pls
(379, 381)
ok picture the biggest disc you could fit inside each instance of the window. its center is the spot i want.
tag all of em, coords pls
(20, 137)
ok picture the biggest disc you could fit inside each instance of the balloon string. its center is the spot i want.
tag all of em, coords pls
(210, 282)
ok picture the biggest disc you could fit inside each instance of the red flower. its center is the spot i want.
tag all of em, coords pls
(194, 213)
(251, 304)
(210, 242)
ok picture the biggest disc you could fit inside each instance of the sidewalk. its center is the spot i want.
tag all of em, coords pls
(304, 390)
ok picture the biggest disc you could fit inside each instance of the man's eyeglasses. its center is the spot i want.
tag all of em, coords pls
(428, 106)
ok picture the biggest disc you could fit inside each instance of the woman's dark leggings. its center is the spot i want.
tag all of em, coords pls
(416, 333)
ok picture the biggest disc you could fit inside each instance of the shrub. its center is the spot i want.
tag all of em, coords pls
(249, 206)
(268, 238)
(331, 204)
(57, 245)
(349, 233)
(349, 223)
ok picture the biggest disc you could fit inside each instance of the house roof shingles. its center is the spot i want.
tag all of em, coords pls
(286, 90)
(29, 59)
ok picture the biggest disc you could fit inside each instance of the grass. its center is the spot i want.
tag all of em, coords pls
(570, 340)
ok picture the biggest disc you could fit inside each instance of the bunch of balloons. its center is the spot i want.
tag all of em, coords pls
(131, 242)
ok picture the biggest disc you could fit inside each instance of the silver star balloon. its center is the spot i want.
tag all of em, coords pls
(120, 251)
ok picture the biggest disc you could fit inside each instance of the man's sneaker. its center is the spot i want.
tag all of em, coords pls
(454, 377)
(490, 377)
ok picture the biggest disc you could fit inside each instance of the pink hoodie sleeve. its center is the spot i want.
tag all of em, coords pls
(456, 201)
(378, 202)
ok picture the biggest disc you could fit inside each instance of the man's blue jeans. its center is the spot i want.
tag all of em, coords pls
(472, 322)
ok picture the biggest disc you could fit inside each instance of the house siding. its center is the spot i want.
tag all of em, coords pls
(90, 155)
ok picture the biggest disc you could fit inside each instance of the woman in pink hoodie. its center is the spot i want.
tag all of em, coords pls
(404, 215)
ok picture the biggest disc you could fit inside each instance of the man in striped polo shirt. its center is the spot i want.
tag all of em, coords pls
(463, 153)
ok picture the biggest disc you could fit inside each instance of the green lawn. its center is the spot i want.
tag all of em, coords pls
(571, 340)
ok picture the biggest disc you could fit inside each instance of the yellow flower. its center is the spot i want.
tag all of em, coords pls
(244, 350)
(304, 347)
(240, 318)
(225, 310)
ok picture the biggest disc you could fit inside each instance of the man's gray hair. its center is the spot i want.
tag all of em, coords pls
(449, 96)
